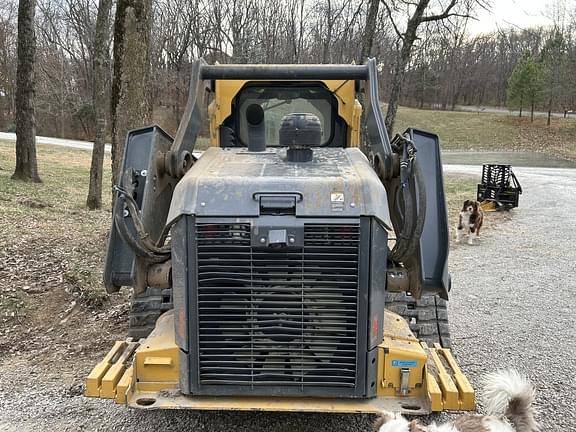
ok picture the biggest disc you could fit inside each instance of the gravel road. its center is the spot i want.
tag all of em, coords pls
(513, 305)
(514, 301)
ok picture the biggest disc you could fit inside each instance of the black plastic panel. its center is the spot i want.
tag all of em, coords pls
(378, 271)
(434, 242)
(153, 193)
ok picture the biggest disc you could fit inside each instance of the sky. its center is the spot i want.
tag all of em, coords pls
(512, 13)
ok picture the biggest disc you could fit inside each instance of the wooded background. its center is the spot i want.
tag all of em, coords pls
(448, 66)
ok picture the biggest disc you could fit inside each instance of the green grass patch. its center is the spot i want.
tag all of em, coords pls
(468, 131)
(65, 173)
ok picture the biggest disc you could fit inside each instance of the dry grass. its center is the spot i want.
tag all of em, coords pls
(493, 132)
(51, 261)
(50, 241)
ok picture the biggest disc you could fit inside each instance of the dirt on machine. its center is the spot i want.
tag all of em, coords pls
(266, 270)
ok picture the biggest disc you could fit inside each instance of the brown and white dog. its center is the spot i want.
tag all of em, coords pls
(470, 219)
(508, 400)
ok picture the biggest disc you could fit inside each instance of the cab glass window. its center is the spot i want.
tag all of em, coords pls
(278, 102)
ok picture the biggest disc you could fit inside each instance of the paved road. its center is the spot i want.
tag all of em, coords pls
(500, 110)
(516, 159)
(84, 145)
(448, 157)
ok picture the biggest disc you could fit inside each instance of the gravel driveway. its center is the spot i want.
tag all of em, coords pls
(513, 304)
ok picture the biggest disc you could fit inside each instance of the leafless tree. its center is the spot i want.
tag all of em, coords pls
(66, 39)
(446, 67)
(295, 29)
(131, 104)
(8, 61)
(26, 164)
(100, 60)
(369, 29)
(419, 12)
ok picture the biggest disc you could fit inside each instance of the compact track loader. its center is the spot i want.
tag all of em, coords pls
(262, 268)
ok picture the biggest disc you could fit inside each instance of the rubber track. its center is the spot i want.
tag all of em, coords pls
(145, 310)
(428, 317)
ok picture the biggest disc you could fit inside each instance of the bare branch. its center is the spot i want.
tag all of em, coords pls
(390, 17)
(443, 15)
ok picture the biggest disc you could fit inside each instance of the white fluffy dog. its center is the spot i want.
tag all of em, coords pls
(508, 397)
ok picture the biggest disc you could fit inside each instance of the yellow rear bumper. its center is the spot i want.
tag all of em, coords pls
(412, 378)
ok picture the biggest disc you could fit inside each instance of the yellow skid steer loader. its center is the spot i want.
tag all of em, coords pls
(263, 267)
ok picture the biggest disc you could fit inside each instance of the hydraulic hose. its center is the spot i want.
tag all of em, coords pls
(140, 243)
(132, 241)
(411, 211)
(404, 208)
(420, 214)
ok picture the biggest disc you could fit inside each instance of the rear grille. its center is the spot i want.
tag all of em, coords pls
(277, 317)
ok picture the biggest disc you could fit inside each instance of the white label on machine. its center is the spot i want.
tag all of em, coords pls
(337, 200)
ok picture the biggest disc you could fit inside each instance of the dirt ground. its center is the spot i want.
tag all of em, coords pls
(512, 305)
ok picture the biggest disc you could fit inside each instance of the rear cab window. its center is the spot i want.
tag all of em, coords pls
(278, 101)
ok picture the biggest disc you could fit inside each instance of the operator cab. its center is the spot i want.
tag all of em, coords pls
(279, 100)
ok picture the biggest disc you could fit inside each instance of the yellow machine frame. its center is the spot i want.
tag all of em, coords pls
(412, 378)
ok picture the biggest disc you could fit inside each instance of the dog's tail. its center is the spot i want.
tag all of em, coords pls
(507, 393)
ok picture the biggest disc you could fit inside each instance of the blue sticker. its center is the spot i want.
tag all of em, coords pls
(404, 363)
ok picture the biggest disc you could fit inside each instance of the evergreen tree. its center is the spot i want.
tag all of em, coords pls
(525, 84)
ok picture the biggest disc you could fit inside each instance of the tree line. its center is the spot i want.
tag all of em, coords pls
(94, 58)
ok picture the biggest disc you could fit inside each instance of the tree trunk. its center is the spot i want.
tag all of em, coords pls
(94, 199)
(26, 164)
(368, 37)
(532, 111)
(397, 81)
(521, 105)
(131, 104)
(400, 70)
